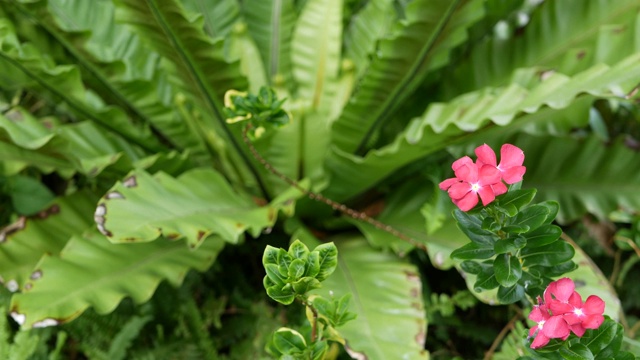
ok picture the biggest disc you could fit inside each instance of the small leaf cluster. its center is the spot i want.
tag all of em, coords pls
(293, 273)
(514, 246)
(263, 111)
(603, 343)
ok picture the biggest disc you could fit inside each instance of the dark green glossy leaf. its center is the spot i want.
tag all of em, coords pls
(605, 341)
(548, 255)
(28, 195)
(553, 207)
(486, 280)
(298, 250)
(544, 235)
(472, 251)
(517, 199)
(472, 227)
(576, 352)
(625, 355)
(559, 269)
(533, 217)
(510, 245)
(319, 349)
(510, 295)
(508, 269)
(471, 267)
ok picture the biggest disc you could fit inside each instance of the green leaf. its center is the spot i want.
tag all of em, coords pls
(603, 339)
(547, 255)
(335, 310)
(195, 205)
(471, 267)
(486, 280)
(510, 245)
(305, 285)
(582, 175)
(327, 258)
(510, 294)
(270, 255)
(319, 349)
(531, 217)
(391, 323)
(508, 270)
(28, 195)
(418, 44)
(576, 352)
(444, 124)
(282, 294)
(271, 24)
(289, 341)
(565, 36)
(28, 239)
(544, 235)
(472, 227)
(313, 264)
(471, 251)
(517, 199)
(298, 250)
(296, 269)
(91, 271)
(275, 275)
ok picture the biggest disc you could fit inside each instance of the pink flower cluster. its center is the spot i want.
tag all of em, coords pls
(563, 312)
(485, 177)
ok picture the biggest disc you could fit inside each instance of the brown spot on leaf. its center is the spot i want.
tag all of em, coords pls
(544, 75)
(271, 215)
(414, 292)
(355, 354)
(130, 182)
(52, 210)
(36, 275)
(421, 337)
(260, 201)
(412, 275)
(173, 236)
(581, 55)
(130, 239)
(201, 235)
(14, 115)
(28, 286)
(10, 229)
(416, 305)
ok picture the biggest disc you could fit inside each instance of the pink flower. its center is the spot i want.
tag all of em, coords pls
(479, 178)
(471, 181)
(548, 327)
(563, 311)
(564, 300)
(511, 159)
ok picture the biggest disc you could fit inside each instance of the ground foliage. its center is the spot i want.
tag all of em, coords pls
(134, 217)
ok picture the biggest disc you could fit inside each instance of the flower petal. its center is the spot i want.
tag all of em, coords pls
(540, 341)
(556, 327)
(499, 188)
(446, 184)
(459, 190)
(578, 329)
(460, 162)
(564, 289)
(467, 202)
(467, 172)
(592, 321)
(486, 155)
(514, 174)
(486, 194)
(593, 305)
(510, 156)
(488, 175)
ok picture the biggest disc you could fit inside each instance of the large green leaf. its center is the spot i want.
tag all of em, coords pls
(566, 36)
(444, 124)
(23, 243)
(583, 175)
(199, 62)
(65, 82)
(271, 24)
(367, 27)
(315, 58)
(219, 16)
(387, 299)
(197, 204)
(91, 271)
(419, 43)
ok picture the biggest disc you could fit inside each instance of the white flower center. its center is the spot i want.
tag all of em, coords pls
(475, 187)
(578, 312)
(540, 324)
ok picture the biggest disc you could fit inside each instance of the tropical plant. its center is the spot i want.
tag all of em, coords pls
(120, 171)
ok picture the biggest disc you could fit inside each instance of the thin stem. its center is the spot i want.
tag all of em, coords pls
(496, 342)
(314, 324)
(358, 215)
